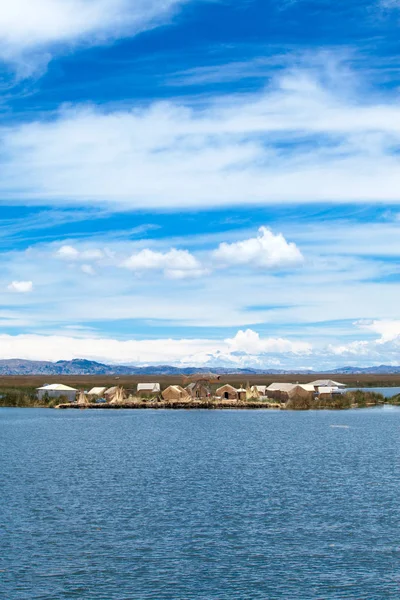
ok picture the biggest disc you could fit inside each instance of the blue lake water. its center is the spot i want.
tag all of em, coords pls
(210, 505)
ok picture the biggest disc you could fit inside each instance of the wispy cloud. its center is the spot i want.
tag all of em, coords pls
(306, 138)
(31, 31)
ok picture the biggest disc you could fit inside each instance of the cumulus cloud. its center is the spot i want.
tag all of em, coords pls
(267, 250)
(71, 253)
(389, 330)
(176, 264)
(29, 29)
(22, 287)
(249, 341)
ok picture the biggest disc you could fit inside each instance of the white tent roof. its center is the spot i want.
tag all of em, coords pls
(58, 387)
(326, 383)
(325, 389)
(96, 391)
(148, 387)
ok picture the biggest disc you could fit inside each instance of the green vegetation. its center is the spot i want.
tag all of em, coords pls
(19, 397)
(357, 399)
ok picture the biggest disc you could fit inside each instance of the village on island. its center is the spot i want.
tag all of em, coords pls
(196, 389)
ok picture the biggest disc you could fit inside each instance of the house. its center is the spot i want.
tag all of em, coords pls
(148, 389)
(96, 392)
(175, 392)
(227, 392)
(302, 391)
(284, 391)
(279, 391)
(327, 383)
(199, 389)
(327, 392)
(57, 390)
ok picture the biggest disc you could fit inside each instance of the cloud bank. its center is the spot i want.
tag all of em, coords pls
(247, 349)
(302, 139)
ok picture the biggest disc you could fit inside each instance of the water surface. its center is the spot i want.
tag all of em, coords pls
(210, 505)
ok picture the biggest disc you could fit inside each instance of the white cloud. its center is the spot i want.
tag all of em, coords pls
(30, 29)
(176, 264)
(71, 253)
(162, 351)
(249, 341)
(88, 269)
(267, 250)
(21, 287)
(389, 330)
(67, 252)
(302, 139)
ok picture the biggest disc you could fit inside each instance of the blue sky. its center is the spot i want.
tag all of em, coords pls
(200, 182)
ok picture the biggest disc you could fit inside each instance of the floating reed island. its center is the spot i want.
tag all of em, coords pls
(202, 392)
(196, 392)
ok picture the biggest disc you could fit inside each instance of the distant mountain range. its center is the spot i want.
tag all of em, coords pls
(79, 366)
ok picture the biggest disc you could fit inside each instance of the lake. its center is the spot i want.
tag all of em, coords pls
(199, 505)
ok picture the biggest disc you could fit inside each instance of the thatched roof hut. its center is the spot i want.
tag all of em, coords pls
(199, 389)
(175, 392)
(227, 392)
(284, 391)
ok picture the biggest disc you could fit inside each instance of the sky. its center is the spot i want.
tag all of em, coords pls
(200, 182)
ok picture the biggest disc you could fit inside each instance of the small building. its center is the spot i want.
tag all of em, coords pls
(326, 383)
(199, 389)
(227, 392)
(241, 394)
(280, 391)
(284, 391)
(96, 392)
(57, 390)
(148, 389)
(302, 391)
(175, 392)
(327, 392)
